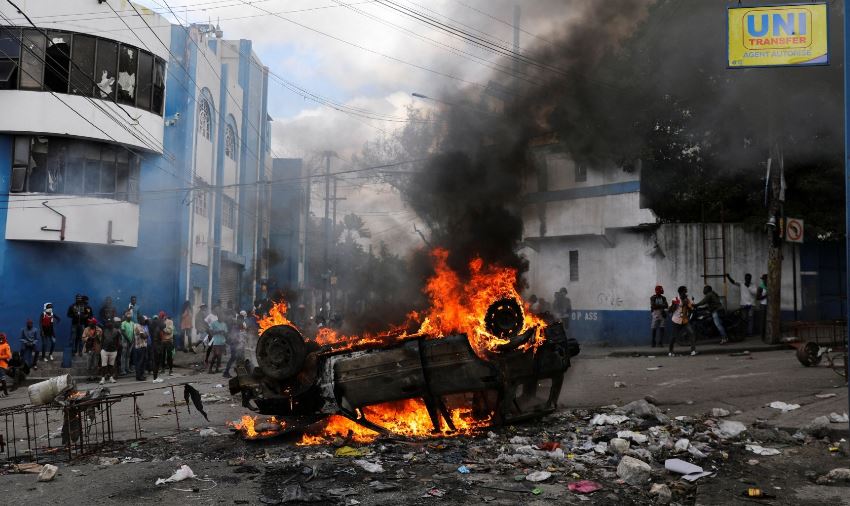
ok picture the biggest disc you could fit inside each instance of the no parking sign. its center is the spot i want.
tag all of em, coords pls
(794, 230)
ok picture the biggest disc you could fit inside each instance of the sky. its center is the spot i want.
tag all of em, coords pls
(369, 55)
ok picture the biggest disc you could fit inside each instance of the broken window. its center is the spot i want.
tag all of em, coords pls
(158, 86)
(10, 57)
(128, 68)
(105, 69)
(58, 165)
(144, 84)
(204, 118)
(82, 65)
(574, 265)
(230, 142)
(32, 60)
(58, 62)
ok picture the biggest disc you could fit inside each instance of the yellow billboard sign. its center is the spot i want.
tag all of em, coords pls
(778, 35)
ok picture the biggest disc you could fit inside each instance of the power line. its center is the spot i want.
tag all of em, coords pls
(511, 25)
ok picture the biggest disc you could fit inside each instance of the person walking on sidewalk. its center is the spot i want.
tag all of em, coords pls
(712, 302)
(186, 346)
(682, 307)
(5, 356)
(658, 309)
(109, 351)
(237, 339)
(218, 330)
(748, 299)
(29, 341)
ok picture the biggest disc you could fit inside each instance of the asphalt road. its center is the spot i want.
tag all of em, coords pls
(688, 385)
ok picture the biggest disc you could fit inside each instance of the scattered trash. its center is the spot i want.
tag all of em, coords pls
(653, 368)
(825, 396)
(619, 384)
(682, 445)
(819, 427)
(549, 446)
(296, 493)
(838, 475)
(690, 472)
(378, 486)
(107, 461)
(836, 418)
(463, 470)
(783, 406)
(760, 450)
(434, 492)
(633, 471)
(370, 467)
(190, 392)
(634, 436)
(584, 487)
(719, 412)
(619, 446)
(219, 386)
(48, 472)
(643, 409)
(757, 493)
(727, 429)
(179, 475)
(661, 492)
(28, 468)
(158, 380)
(348, 451)
(601, 419)
(538, 476)
(537, 491)
(208, 432)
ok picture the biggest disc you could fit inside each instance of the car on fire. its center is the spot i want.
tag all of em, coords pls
(303, 382)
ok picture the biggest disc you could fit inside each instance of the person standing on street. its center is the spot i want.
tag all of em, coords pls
(29, 341)
(658, 309)
(748, 299)
(48, 332)
(109, 351)
(563, 307)
(133, 307)
(127, 339)
(165, 346)
(140, 344)
(218, 330)
(5, 356)
(76, 312)
(186, 328)
(107, 311)
(201, 325)
(712, 302)
(237, 339)
(92, 337)
(682, 307)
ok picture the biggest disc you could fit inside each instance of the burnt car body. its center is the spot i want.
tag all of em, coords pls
(303, 382)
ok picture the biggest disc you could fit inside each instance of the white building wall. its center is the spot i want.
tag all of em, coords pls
(87, 220)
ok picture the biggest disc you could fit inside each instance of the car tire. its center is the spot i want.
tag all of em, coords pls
(281, 352)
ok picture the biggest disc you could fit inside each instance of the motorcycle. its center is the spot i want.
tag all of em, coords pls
(703, 324)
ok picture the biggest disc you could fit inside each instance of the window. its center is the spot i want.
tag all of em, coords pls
(32, 60)
(144, 84)
(73, 167)
(58, 62)
(158, 86)
(573, 265)
(581, 173)
(230, 142)
(105, 69)
(200, 197)
(128, 68)
(204, 118)
(10, 57)
(228, 212)
(82, 65)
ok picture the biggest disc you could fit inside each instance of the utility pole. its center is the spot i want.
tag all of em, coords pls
(326, 270)
(306, 224)
(774, 254)
(335, 260)
(847, 170)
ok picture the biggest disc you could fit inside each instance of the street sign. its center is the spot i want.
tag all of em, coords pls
(779, 35)
(794, 230)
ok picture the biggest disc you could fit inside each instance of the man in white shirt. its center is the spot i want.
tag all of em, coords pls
(748, 299)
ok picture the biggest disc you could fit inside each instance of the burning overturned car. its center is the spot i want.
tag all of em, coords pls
(477, 359)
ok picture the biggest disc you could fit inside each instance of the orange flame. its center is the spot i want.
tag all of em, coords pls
(247, 426)
(405, 418)
(276, 316)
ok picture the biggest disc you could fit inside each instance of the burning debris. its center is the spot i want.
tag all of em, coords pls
(477, 358)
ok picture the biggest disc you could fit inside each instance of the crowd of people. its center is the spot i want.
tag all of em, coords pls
(119, 342)
(682, 307)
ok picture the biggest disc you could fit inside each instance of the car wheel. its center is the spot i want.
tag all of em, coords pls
(281, 352)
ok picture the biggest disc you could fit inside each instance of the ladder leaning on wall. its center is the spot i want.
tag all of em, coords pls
(714, 254)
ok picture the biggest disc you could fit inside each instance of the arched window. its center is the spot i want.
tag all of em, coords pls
(204, 118)
(230, 142)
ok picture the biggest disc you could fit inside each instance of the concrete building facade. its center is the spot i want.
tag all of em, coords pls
(133, 155)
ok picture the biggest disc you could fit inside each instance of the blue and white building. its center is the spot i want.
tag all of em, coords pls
(133, 160)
